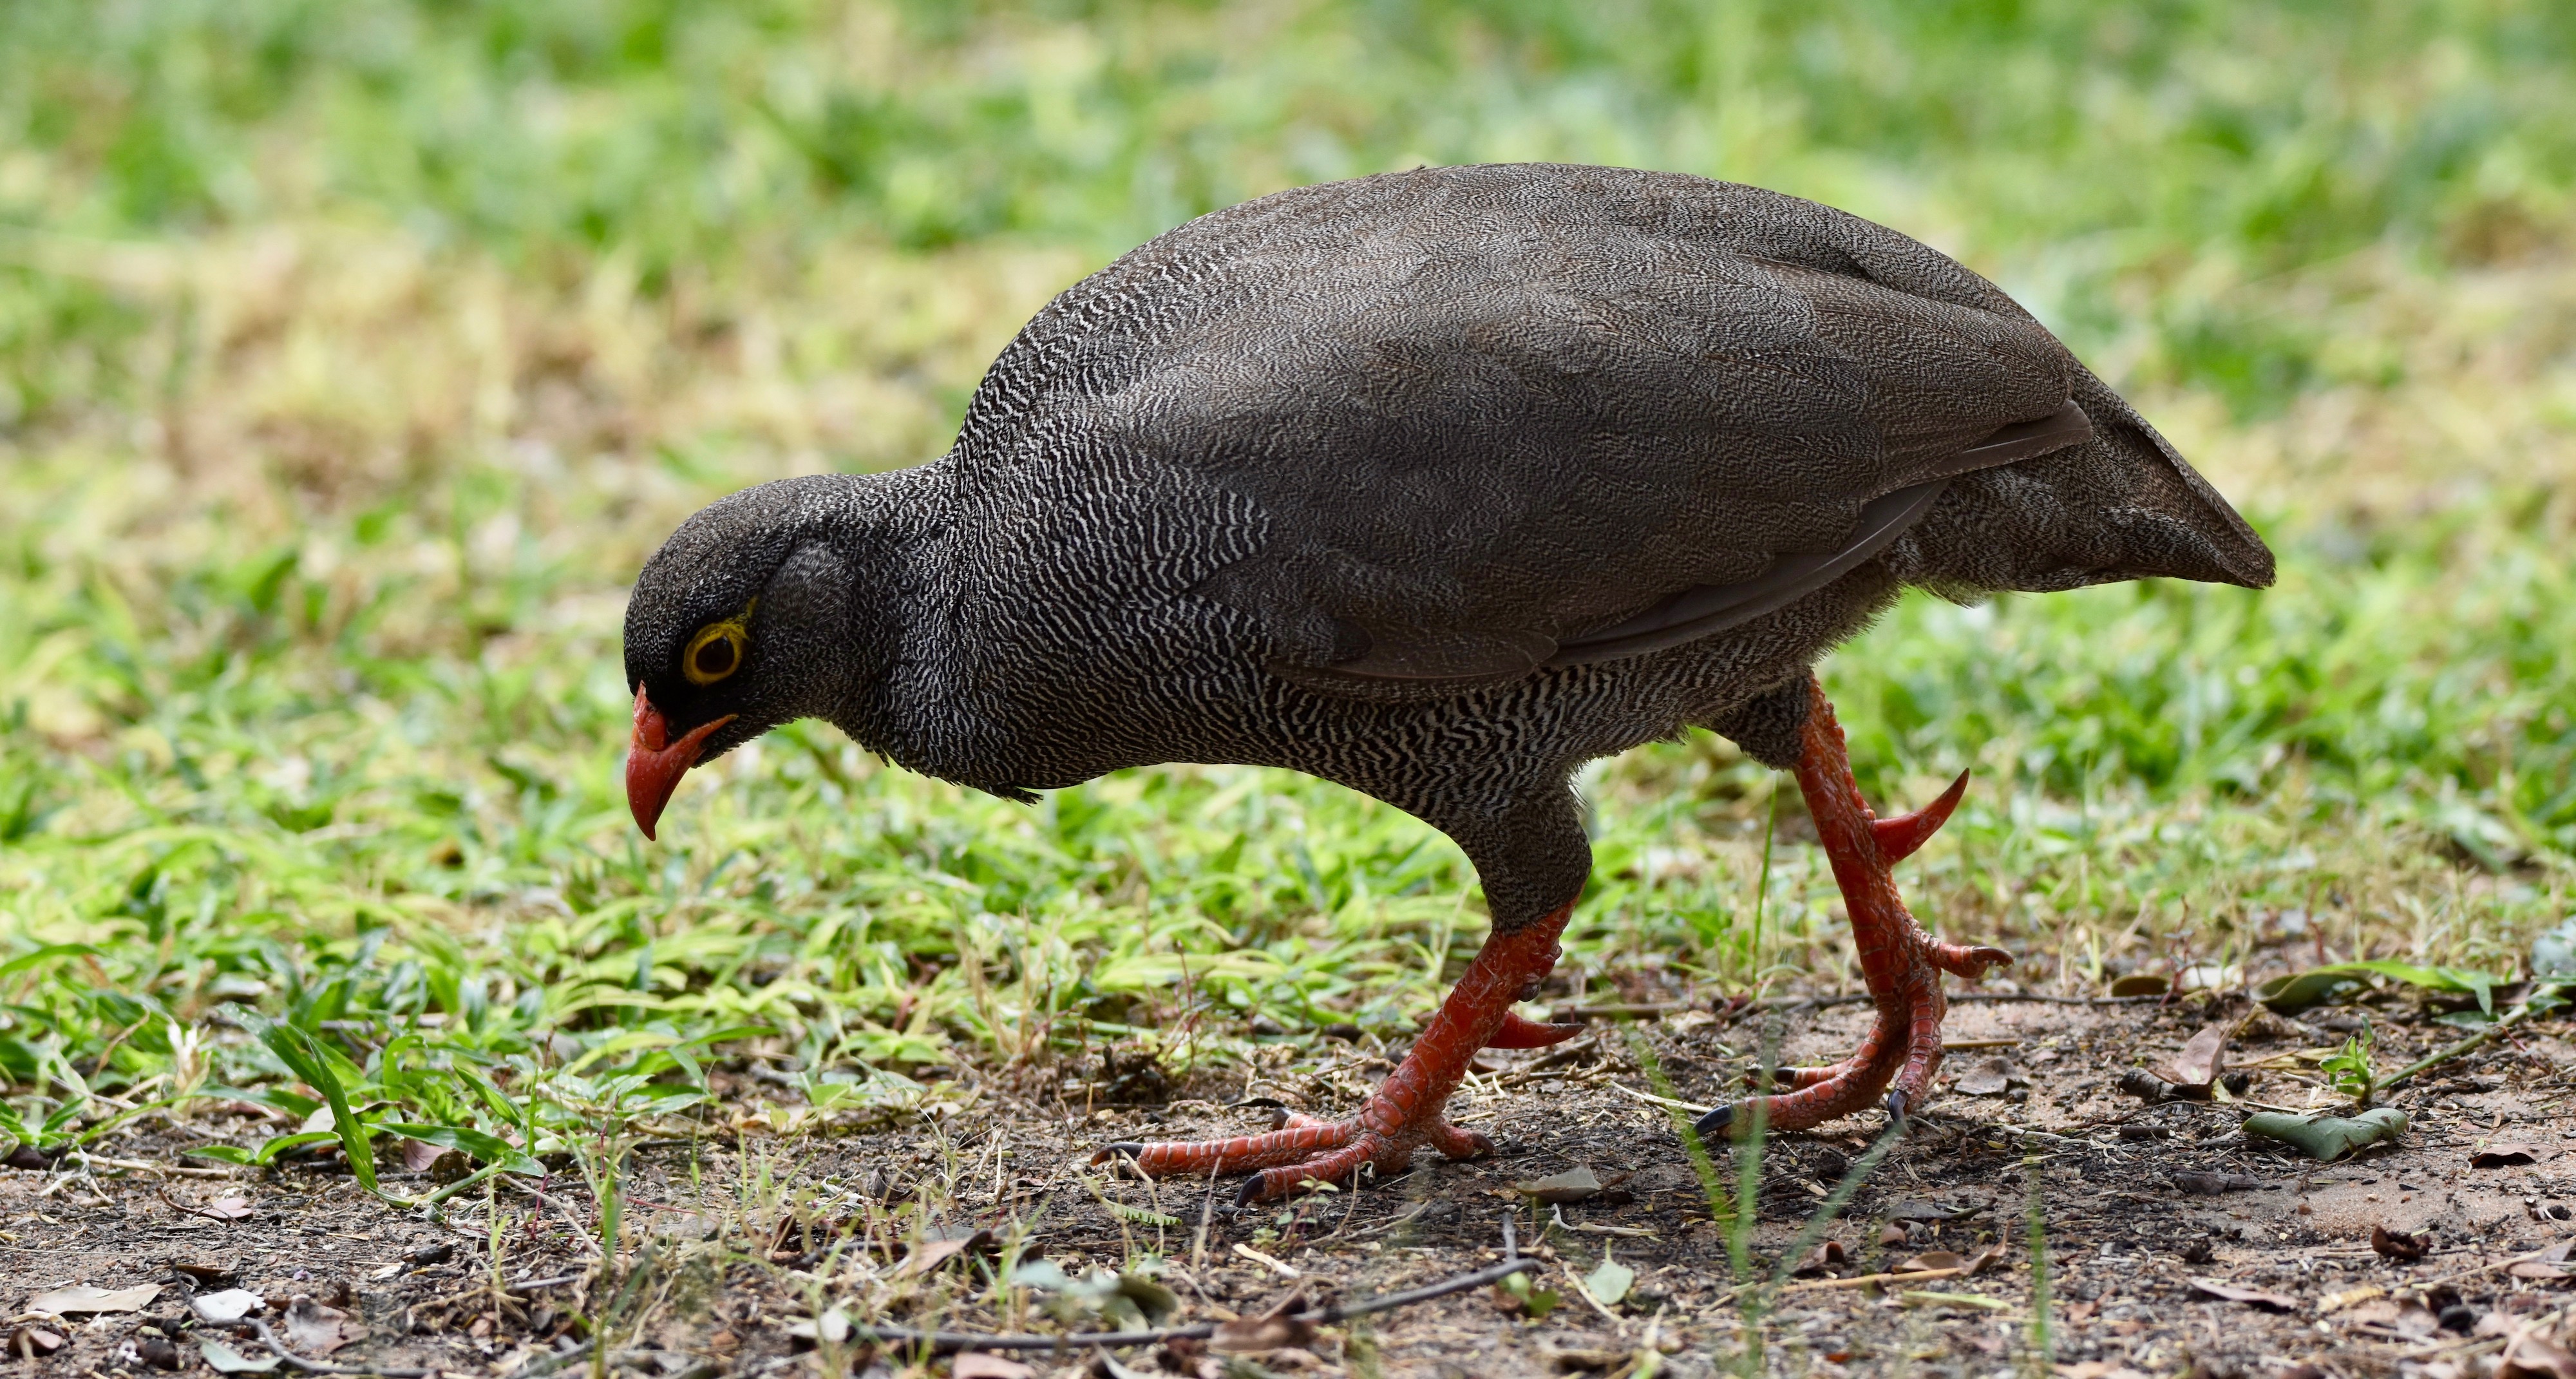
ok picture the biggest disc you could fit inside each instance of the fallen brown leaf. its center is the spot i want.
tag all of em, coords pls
(2530, 1355)
(1978, 1262)
(418, 1155)
(1986, 1077)
(2505, 1156)
(228, 1209)
(2203, 1058)
(2251, 1297)
(2396, 1244)
(930, 1254)
(319, 1330)
(1891, 1234)
(1276, 1329)
(1828, 1255)
(1931, 1259)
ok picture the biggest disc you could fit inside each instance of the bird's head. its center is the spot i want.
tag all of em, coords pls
(741, 622)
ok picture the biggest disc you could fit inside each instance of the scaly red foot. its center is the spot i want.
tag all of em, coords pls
(1404, 1114)
(1900, 963)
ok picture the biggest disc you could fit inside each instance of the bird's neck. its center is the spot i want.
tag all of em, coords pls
(894, 539)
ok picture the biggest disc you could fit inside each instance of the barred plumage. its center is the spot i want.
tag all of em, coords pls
(1435, 484)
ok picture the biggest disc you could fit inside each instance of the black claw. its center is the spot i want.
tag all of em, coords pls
(1129, 1149)
(1249, 1193)
(1896, 1108)
(1715, 1122)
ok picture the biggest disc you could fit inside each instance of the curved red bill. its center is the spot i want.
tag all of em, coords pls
(654, 763)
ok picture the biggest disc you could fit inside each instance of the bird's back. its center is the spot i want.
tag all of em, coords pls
(1437, 429)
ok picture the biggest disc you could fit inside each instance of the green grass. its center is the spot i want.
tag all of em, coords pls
(352, 357)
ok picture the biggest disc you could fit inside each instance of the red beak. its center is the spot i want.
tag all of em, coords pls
(654, 763)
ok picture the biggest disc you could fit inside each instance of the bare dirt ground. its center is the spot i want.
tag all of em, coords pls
(740, 1240)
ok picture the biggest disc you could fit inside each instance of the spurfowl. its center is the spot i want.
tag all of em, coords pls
(1438, 484)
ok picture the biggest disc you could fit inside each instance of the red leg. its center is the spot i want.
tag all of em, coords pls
(1899, 962)
(1404, 1114)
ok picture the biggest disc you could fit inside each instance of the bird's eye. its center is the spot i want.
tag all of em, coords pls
(714, 653)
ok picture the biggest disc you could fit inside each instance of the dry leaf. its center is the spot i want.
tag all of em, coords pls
(2416, 1320)
(418, 1155)
(930, 1254)
(1829, 1255)
(228, 1209)
(1931, 1259)
(1891, 1234)
(64, 1302)
(2203, 1058)
(2505, 1156)
(223, 1359)
(1275, 1329)
(1988, 1077)
(2529, 1355)
(319, 1330)
(975, 1364)
(2535, 1268)
(201, 1273)
(1609, 1283)
(2252, 1297)
(226, 1307)
(31, 1341)
(2396, 1244)
(833, 1327)
(2141, 984)
(1573, 1185)
(2212, 1184)
(1977, 1263)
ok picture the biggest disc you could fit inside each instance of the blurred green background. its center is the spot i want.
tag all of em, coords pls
(353, 355)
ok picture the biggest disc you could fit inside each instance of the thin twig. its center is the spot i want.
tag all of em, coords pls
(1689, 1107)
(2469, 1045)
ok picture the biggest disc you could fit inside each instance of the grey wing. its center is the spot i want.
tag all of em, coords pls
(1632, 449)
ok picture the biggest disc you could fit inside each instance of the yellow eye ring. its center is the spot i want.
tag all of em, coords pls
(716, 652)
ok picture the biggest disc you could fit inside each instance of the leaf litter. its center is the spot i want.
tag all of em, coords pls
(2139, 1232)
